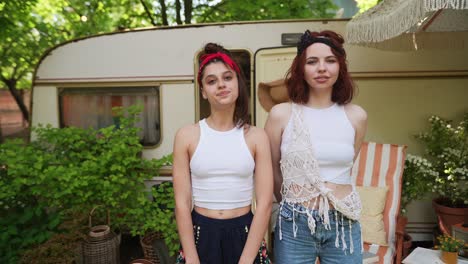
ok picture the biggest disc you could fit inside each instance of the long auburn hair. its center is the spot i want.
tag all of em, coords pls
(344, 87)
(241, 111)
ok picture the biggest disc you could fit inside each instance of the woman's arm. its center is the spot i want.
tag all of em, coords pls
(277, 120)
(358, 118)
(183, 193)
(263, 195)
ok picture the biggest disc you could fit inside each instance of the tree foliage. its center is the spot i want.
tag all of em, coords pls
(29, 27)
(364, 5)
(24, 34)
(243, 10)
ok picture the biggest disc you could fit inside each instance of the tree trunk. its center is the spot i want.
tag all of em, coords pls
(11, 84)
(164, 12)
(148, 13)
(188, 8)
(178, 8)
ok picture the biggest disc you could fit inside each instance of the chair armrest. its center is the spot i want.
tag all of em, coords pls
(399, 237)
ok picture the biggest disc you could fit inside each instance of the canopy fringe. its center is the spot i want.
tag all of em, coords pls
(392, 18)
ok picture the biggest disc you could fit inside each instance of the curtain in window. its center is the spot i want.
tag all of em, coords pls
(95, 111)
(149, 118)
(87, 111)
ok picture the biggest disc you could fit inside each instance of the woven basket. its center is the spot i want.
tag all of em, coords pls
(101, 245)
(149, 251)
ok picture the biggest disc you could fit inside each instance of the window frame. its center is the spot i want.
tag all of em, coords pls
(117, 90)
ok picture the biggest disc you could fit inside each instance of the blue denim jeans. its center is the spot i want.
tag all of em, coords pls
(306, 247)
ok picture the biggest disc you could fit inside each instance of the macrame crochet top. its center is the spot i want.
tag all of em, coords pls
(301, 179)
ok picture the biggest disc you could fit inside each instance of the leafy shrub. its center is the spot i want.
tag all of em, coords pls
(73, 170)
(443, 170)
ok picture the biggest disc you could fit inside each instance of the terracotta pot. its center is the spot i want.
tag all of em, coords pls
(448, 216)
(449, 257)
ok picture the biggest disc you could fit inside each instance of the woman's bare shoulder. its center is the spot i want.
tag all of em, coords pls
(280, 112)
(188, 132)
(256, 132)
(356, 113)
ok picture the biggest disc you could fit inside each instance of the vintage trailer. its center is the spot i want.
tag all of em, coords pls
(77, 83)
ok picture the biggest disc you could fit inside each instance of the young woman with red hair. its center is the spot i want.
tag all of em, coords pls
(314, 140)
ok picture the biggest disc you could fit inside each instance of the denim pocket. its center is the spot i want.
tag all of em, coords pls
(286, 213)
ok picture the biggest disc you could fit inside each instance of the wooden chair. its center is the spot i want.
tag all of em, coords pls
(379, 165)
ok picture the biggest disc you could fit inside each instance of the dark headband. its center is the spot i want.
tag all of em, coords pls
(307, 40)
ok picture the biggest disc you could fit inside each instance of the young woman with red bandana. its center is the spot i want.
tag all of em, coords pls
(219, 163)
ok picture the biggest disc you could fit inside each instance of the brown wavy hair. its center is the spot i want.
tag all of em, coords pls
(298, 89)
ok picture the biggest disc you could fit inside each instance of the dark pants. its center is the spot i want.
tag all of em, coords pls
(221, 241)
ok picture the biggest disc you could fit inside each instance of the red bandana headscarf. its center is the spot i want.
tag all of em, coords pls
(205, 59)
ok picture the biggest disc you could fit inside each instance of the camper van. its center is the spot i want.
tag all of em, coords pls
(78, 82)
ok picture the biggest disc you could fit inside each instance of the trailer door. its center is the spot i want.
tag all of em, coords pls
(271, 64)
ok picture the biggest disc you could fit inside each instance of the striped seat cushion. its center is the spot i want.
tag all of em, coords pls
(382, 165)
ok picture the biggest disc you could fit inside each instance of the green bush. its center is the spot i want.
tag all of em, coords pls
(417, 180)
(73, 170)
(447, 150)
(63, 246)
(164, 198)
(443, 169)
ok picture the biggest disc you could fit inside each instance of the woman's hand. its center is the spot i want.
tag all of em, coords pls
(241, 261)
(193, 260)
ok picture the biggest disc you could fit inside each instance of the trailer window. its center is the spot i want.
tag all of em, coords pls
(92, 107)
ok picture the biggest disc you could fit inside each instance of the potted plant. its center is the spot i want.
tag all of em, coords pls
(159, 237)
(446, 148)
(449, 247)
(64, 246)
(418, 175)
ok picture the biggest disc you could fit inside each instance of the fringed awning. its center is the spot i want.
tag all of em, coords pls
(392, 18)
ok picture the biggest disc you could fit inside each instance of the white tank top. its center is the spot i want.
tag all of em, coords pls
(222, 169)
(332, 136)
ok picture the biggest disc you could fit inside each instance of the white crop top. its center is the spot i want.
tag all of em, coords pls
(332, 135)
(222, 169)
